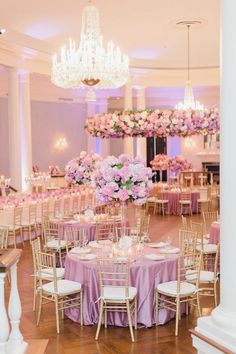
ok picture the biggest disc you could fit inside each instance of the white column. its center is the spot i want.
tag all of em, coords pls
(103, 143)
(14, 128)
(141, 143)
(92, 142)
(128, 105)
(4, 325)
(15, 343)
(25, 128)
(221, 325)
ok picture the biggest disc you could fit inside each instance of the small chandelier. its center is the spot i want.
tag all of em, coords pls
(90, 64)
(189, 102)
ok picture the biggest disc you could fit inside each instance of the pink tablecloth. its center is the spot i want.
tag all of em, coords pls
(174, 198)
(90, 229)
(144, 275)
(214, 233)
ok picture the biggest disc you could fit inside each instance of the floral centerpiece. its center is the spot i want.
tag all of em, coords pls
(119, 179)
(148, 123)
(160, 162)
(54, 170)
(178, 163)
(79, 170)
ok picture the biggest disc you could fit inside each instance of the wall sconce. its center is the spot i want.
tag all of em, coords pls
(61, 144)
(189, 143)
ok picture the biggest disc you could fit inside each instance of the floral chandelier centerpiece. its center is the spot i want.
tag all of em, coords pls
(79, 170)
(122, 179)
(178, 164)
(160, 162)
(149, 123)
(90, 64)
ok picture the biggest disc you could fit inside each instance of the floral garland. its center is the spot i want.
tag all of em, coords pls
(80, 169)
(148, 123)
(122, 179)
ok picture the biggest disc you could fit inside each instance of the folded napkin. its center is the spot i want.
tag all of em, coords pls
(170, 250)
(125, 242)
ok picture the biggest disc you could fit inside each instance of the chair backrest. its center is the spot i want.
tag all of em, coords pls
(57, 207)
(113, 273)
(33, 213)
(17, 216)
(189, 266)
(208, 218)
(185, 196)
(50, 230)
(101, 209)
(36, 247)
(3, 237)
(75, 204)
(104, 230)
(44, 262)
(187, 241)
(144, 225)
(75, 235)
(45, 208)
(66, 206)
(131, 231)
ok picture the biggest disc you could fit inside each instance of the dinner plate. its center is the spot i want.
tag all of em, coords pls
(105, 242)
(154, 257)
(170, 250)
(157, 245)
(94, 244)
(79, 250)
(88, 257)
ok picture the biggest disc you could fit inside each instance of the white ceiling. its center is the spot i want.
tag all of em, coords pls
(142, 28)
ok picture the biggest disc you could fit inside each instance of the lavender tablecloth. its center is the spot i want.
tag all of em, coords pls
(214, 233)
(144, 275)
(67, 225)
(174, 198)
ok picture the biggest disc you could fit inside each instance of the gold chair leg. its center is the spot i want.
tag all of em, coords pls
(129, 320)
(157, 308)
(40, 307)
(100, 320)
(198, 304)
(177, 317)
(135, 314)
(57, 314)
(35, 292)
(105, 318)
(81, 308)
(215, 294)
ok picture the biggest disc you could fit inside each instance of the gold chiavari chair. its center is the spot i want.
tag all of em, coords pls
(170, 295)
(64, 293)
(151, 205)
(204, 202)
(185, 201)
(3, 237)
(162, 204)
(208, 218)
(102, 209)
(76, 236)
(187, 241)
(199, 229)
(115, 293)
(208, 277)
(48, 276)
(52, 240)
(143, 225)
(31, 224)
(15, 228)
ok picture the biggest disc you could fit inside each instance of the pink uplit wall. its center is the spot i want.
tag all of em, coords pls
(52, 120)
(4, 146)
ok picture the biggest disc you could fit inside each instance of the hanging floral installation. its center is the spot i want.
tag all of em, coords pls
(149, 123)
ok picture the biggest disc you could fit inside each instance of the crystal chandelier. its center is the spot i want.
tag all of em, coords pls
(189, 102)
(90, 64)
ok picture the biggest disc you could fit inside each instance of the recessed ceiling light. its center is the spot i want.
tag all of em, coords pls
(2, 30)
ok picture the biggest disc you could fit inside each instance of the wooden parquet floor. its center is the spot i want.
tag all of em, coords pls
(76, 340)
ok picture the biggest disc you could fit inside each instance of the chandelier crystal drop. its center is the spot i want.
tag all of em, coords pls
(90, 64)
(189, 101)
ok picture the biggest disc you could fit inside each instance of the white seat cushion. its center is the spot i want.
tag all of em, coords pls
(170, 288)
(56, 244)
(47, 274)
(27, 223)
(162, 201)
(206, 236)
(152, 199)
(185, 202)
(205, 276)
(204, 241)
(118, 293)
(12, 227)
(64, 287)
(203, 200)
(207, 248)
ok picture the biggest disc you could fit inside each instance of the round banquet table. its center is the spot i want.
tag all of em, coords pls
(145, 275)
(174, 196)
(70, 224)
(215, 233)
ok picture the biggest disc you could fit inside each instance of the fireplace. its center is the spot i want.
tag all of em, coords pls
(214, 168)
